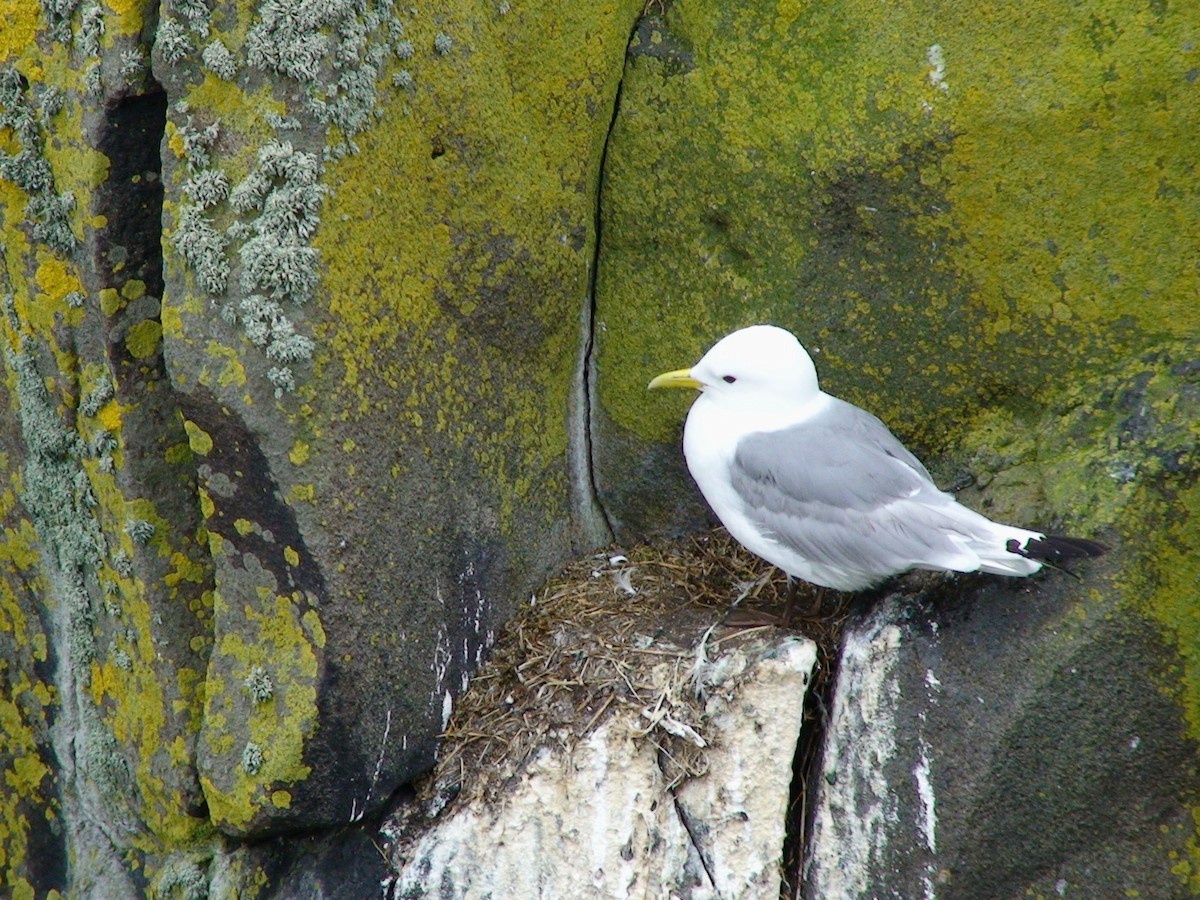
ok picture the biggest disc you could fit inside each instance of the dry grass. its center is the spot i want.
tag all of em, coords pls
(639, 629)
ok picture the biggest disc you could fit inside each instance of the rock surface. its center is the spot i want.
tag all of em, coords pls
(305, 389)
(294, 298)
(604, 819)
(955, 212)
(378, 233)
(1012, 742)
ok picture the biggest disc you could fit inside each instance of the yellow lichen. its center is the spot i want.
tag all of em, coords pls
(199, 439)
(110, 301)
(143, 339)
(133, 289)
(19, 21)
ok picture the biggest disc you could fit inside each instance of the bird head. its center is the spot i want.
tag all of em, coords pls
(759, 366)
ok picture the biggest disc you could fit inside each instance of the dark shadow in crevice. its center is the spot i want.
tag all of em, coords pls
(129, 244)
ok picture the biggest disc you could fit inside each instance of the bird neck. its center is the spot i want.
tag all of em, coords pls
(768, 414)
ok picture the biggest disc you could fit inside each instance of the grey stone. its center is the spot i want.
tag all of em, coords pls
(602, 819)
(1002, 740)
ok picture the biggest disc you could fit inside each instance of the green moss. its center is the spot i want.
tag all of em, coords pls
(1116, 458)
(951, 232)
(26, 704)
(275, 646)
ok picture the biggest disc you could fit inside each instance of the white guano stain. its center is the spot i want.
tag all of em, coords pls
(857, 808)
(937, 72)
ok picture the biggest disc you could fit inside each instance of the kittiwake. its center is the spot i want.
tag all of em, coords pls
(821, 488)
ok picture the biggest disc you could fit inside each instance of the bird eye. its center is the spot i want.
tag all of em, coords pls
(729, 379)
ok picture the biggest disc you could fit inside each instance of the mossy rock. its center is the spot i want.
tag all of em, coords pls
(955, 210)
(379, 228)
(292, 310)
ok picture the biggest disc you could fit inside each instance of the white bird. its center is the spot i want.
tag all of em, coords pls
(821, 488)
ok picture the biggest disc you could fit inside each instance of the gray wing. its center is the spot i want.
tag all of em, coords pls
(827, 488)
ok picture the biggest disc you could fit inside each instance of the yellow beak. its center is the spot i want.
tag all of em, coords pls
(680, 378)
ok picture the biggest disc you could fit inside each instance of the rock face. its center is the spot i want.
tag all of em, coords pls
(294, 301)
(322, 347)
(1013, 743)
(954, 213)
(1036, 738)
(986, 236)
(375, 290)
(603, 819)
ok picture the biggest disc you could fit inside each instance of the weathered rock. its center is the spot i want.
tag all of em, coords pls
(106, 587)
(950, 219)
(1018, 743)
(379, 232)
(991, 245)
(263, 511)
(249, 559)
(602, 818)
(1037, 738)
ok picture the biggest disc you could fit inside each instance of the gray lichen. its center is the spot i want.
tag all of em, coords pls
(238, 231)
(140, 530)
(58, 16)
(282, 123)
(94, 401)
(284, 267)
(283, 194)
(218, 58)
(122, 660)
(91, 29)
(206, 188)
(252, 758)
(133, 65)
(101, 761)
(288, 347)
(112, 591)
(182, 878)
(283, 379)
(48, 212)
(203, 248)
(51, 101)
(258, 685)
(122, 564)
(51, 215)
(54, 493)
(172, 41)
(442, 43)
(57, 494)
(331, 50)
(287, 38)
(196, 13)
(83, 490)
(403, 80)
(197, 141)
(92, 81)
(335, 51)
(103, 444)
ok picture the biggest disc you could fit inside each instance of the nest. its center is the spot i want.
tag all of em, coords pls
(643, 630)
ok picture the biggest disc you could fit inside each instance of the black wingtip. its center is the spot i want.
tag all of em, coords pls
(1055, 550)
